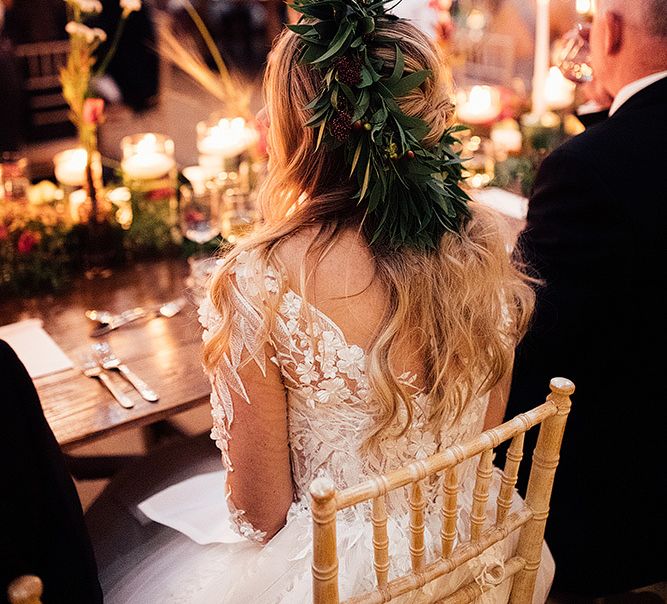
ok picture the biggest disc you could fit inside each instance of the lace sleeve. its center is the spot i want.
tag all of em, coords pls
(227, 387)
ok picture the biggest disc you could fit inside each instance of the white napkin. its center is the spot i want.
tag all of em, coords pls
(36, 348)
(196, 507)
(507, 203)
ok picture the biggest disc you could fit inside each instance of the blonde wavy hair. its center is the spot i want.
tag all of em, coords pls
(462, 307)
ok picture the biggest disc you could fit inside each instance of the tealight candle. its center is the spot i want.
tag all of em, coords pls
(558, 91)
(149, 172)
(70, 167)
(146, 157)
(226, 138)
(479, 105)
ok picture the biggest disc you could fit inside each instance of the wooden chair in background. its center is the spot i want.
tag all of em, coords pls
(48, 111)
(522, 567)
(489, 60)
(49, 129)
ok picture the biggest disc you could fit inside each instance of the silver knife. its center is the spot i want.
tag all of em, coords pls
(168, 309)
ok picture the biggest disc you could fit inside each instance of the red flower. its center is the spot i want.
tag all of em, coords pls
(4, 232)
(27, 241)
(160, 194)
(93, 109)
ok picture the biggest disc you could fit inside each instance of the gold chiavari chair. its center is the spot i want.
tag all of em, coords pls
(26, 589)
(522, 567)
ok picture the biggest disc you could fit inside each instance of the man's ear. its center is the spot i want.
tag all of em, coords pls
(613, 36)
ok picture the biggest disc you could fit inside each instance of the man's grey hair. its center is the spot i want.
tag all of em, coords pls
(651, 14)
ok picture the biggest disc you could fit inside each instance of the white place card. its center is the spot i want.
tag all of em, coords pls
(36, 348)
(196, 507)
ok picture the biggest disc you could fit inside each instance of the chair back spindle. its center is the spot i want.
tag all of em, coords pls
(380, 540)
(449, 512)
(540, 484)
(325, 558)
(480, 494)
(509, 477)
(521, 568)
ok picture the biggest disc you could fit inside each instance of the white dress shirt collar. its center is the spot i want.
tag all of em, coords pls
(628, 91)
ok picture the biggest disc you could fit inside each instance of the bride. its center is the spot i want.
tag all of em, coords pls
(341, 339)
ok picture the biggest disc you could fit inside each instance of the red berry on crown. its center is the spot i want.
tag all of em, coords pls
(341, 125)
(349, 70)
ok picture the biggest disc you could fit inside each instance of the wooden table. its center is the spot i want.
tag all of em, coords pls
(166, 353)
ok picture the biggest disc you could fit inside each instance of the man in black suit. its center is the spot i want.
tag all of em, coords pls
(42, 531)
(596, 237)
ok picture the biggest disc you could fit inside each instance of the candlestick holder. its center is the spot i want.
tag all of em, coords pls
(149, 172)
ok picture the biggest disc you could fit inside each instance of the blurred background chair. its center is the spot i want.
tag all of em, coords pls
(489, 60)
(48, 113)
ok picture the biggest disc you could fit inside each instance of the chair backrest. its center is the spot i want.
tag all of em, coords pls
(26, 589)
(489, 60)
(523, 566)
(48, 111)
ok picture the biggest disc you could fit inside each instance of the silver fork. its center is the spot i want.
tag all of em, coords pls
(91, 368)
(108, 360)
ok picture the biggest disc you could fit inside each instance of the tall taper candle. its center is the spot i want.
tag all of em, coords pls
(541, 57)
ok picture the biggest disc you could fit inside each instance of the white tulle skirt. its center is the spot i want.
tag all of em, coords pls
(174, 568)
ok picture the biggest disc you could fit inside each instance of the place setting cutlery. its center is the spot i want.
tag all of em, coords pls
(100, 358)
(109, 321)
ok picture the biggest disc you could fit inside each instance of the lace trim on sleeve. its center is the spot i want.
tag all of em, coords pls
(241, 525)
(245, 337)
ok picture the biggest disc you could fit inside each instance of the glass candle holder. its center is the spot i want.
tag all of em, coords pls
(238, 215)
(70, 171)
(149, 172)
(14, 181)
(222, 143)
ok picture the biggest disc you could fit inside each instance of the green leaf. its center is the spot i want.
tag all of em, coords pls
(366, 78)
(364, 185)
(317, 116)
(300, 29)
(410, 81)
(349, 95)
(357, 152)
(367, 25)
(320, 135)
(334, 97)
(399, 67)
(361, 105)
(310, 54)
(342, 35)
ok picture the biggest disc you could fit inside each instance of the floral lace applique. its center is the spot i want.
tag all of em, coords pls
(327, 390)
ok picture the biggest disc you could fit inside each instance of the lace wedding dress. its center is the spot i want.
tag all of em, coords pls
(328, 419)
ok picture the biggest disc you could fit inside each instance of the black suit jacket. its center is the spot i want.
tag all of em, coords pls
(596, 232)
(42, 531)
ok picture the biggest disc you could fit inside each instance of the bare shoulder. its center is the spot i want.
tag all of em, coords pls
(346, 268)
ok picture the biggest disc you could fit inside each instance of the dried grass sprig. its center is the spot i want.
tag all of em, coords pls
(230, 89)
